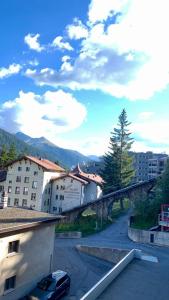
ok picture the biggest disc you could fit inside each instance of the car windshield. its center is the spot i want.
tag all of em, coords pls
(47, 284)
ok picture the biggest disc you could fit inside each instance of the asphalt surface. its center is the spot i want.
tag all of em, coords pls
(140, 280)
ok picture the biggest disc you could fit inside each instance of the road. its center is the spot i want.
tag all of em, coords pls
(85, 271)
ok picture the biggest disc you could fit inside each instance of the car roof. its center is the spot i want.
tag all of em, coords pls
(58, 274)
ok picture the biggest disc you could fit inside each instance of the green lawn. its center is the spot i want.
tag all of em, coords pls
(89, 223)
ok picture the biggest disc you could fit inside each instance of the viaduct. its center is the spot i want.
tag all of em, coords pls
(103, 206)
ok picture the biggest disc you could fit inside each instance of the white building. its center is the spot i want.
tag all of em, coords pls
(27, 182)
(26, 250)
(68, 191)
(93, 190)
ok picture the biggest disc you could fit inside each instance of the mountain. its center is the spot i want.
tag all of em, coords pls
(66, 157)
(8, 139)
(94, 158)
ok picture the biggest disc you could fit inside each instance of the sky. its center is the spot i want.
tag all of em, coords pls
(68, 68)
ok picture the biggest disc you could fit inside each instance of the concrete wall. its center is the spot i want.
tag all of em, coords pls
(100, 286)
(145, 236)
(109, 254)
(32, 262)
(69, 235)
(73, 193)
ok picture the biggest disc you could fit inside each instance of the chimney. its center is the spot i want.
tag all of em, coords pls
(4, 200)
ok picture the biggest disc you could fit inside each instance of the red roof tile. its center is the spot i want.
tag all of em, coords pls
(90, 177)
(70, 175)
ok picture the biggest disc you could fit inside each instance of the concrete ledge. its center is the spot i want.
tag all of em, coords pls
(148, 237)
(68, 235)
(100, 286)
(108, 254)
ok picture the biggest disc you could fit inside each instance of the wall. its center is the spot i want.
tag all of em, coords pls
(13, 173)
(145, 236)
(30, 264)
(73, 194)
(90, 192)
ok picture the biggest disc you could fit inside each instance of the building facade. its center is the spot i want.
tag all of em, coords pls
(28, 182)
(148, 165)
(23, 235)
(68, 191)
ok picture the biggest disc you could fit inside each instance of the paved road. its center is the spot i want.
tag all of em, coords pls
(86, 270)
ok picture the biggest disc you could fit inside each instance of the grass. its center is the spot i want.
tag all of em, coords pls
(88, 223)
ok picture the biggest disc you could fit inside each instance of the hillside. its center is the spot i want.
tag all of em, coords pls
(66, 157)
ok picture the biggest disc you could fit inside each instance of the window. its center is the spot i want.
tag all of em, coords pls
(35, 173)
(25, 190)
(24, 202)
(19, 168)
(48, 190)
(18, 179)
(27, 169)
(33, 196)
(34, 184)
(13, 246)
(54, 208)
(57, 187)
(17, 190)
(9, 201)
(56, 197)
(10, 181)
(10, 283)
(1, 188)
(62, 187)
(16, 202)
(61, 197)
(60, 209)
(9, 189)
(26, 180)
(71, 181)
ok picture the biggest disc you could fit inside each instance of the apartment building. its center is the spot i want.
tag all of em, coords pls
(68, 191)
(24, 233)
(28, 182)
(148, 165)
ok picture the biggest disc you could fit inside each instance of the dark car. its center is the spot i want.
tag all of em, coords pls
(51, 287)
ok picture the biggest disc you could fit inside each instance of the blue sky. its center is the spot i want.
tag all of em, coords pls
(67, 70)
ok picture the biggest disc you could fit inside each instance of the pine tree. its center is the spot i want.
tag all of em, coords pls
(3, 156)
(12, 155)
(118, 170)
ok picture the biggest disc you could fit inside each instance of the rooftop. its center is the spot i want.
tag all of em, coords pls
(14, 219)
(44, 163)
(87, 176)
(71, 176)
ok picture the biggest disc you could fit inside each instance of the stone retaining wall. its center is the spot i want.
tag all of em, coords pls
(69, 235)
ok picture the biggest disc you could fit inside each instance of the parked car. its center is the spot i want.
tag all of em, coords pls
(52, 287)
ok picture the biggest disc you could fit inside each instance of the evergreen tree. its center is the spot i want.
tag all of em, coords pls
(3, 156)
(118, 170)
(164, 185)
(12, 155)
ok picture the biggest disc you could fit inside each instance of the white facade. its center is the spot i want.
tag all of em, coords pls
(24, 265)
(67, 193)
(27, 185)
(92, 192)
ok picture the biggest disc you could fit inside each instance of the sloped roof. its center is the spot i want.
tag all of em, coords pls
(15, 219)
(86, 176)
(71, 176)
(44, 163)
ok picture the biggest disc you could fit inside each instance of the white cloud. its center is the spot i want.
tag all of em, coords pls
(145, 115)
(58, 42)
(77, 30)
(32, 41)
(11, 70)
(126, 56)
(43, 115)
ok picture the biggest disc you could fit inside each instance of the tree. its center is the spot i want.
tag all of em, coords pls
(12, 155)
(118, 165)
(164, 185)
(4, 156)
